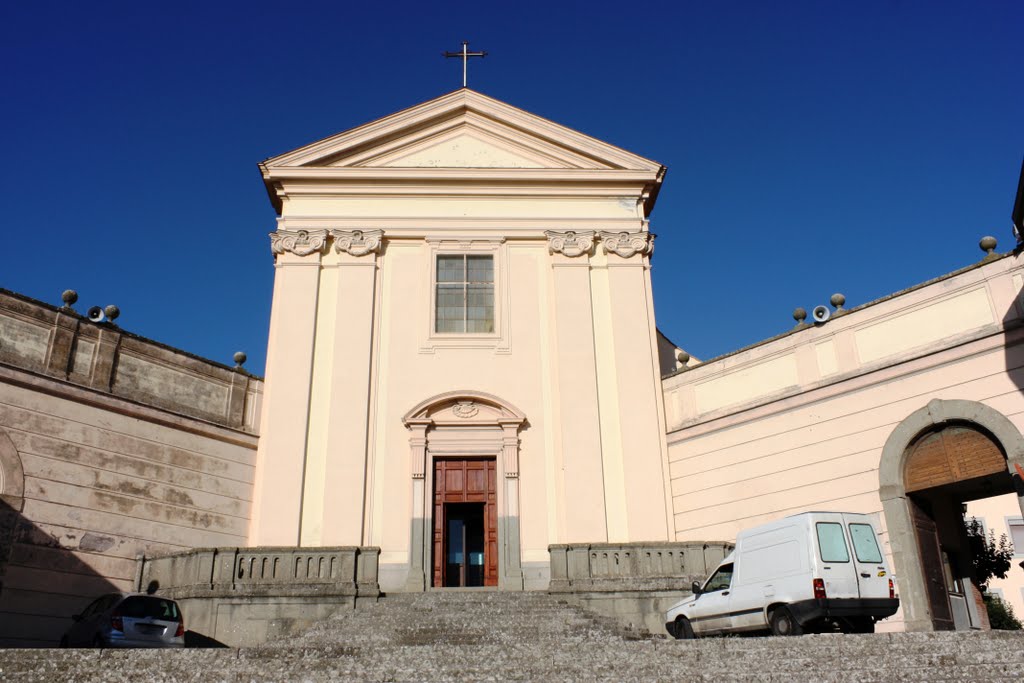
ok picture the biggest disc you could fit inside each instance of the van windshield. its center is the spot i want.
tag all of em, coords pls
(864, 544)
(831, 542)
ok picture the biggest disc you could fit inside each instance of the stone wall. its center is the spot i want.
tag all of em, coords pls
(111, 445)
(247, 596)
(634, 583)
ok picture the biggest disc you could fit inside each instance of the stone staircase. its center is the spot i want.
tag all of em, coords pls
(492, 636)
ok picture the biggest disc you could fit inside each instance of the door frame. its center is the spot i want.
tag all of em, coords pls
(464, 424)
(906, 554)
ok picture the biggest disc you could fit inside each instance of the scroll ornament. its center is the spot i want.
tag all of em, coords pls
(357, 242)
(628, 244)
(298, 242)
(570, 243)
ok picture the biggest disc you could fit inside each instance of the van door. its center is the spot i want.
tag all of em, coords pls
(710, 611)
(837, 567)
(872, 574)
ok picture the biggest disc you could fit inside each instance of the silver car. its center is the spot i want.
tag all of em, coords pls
(127, 620)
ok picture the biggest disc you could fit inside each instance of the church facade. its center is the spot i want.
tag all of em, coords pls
(462, 342)
(465, 386)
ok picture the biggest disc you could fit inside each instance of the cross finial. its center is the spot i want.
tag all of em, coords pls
(465, 54)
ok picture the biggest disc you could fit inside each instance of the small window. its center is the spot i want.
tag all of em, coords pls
(720, 580)
(865, 547)
(1016, 529)
(464, 297)
(831, 542)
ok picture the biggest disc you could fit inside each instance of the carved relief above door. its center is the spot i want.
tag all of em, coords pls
(464, 462)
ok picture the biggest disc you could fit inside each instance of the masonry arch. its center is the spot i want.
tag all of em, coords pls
(939, 457)
(464, 429)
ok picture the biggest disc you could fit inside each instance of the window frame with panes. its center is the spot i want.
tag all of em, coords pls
(464, 296)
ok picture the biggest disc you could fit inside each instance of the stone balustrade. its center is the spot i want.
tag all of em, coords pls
(632, 566)
(347, 570)
(247, 596)
(633, 583)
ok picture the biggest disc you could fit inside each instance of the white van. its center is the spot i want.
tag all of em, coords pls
(802, 573)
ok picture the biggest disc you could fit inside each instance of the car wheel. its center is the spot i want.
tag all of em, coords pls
(784, 624)
(684, 630)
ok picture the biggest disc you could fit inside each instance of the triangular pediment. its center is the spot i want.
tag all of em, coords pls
(462, 130)
(463, 149)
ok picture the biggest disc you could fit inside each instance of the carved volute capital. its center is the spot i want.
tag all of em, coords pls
(570, 243)
(628, 244)
(357, 242)
(298, 242)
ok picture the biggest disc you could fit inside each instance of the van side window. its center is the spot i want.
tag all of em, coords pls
(720, 580)
(864, 544)
(831, 542)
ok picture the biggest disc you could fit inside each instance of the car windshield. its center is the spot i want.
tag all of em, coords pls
(142, 607)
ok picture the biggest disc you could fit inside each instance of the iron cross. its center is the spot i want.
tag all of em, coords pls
(465, 54)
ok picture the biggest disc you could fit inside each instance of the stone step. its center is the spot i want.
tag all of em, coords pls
(488, 635)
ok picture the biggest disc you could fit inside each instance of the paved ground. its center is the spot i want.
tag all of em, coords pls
(491, 636)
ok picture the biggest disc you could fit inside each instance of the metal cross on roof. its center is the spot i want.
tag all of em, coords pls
(465, 54)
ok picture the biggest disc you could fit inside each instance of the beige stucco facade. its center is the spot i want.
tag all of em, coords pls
(800, 422)
(353, 346)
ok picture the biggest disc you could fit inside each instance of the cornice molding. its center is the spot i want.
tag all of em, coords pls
(298, 242)
(357, 242)
(570, 243)
(627, 244)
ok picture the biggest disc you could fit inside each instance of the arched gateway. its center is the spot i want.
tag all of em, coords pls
(464, 463)
(937, 459)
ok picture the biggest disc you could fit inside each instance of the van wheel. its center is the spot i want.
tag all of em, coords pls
(861, 625)
(684, 630)
(783, 623)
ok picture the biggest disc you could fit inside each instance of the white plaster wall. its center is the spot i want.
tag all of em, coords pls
(812, 441)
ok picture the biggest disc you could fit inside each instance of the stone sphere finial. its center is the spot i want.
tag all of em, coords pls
(682, 356)
(69, 297)
(837, 301)
(799, 315)
(240, 358)
(988, 244)
(112, 312)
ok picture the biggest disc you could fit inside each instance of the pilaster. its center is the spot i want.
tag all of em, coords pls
(347, 431)
(579, 412)
(637, 383)
(282, 449)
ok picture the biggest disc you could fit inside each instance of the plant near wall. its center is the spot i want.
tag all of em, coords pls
(1000, 614)
(991, 559)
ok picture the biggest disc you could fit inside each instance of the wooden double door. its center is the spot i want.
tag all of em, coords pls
(465, 544)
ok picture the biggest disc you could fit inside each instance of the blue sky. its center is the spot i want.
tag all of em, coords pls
(812, 147)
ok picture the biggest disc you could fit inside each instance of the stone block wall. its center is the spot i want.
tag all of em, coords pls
(111, 445)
